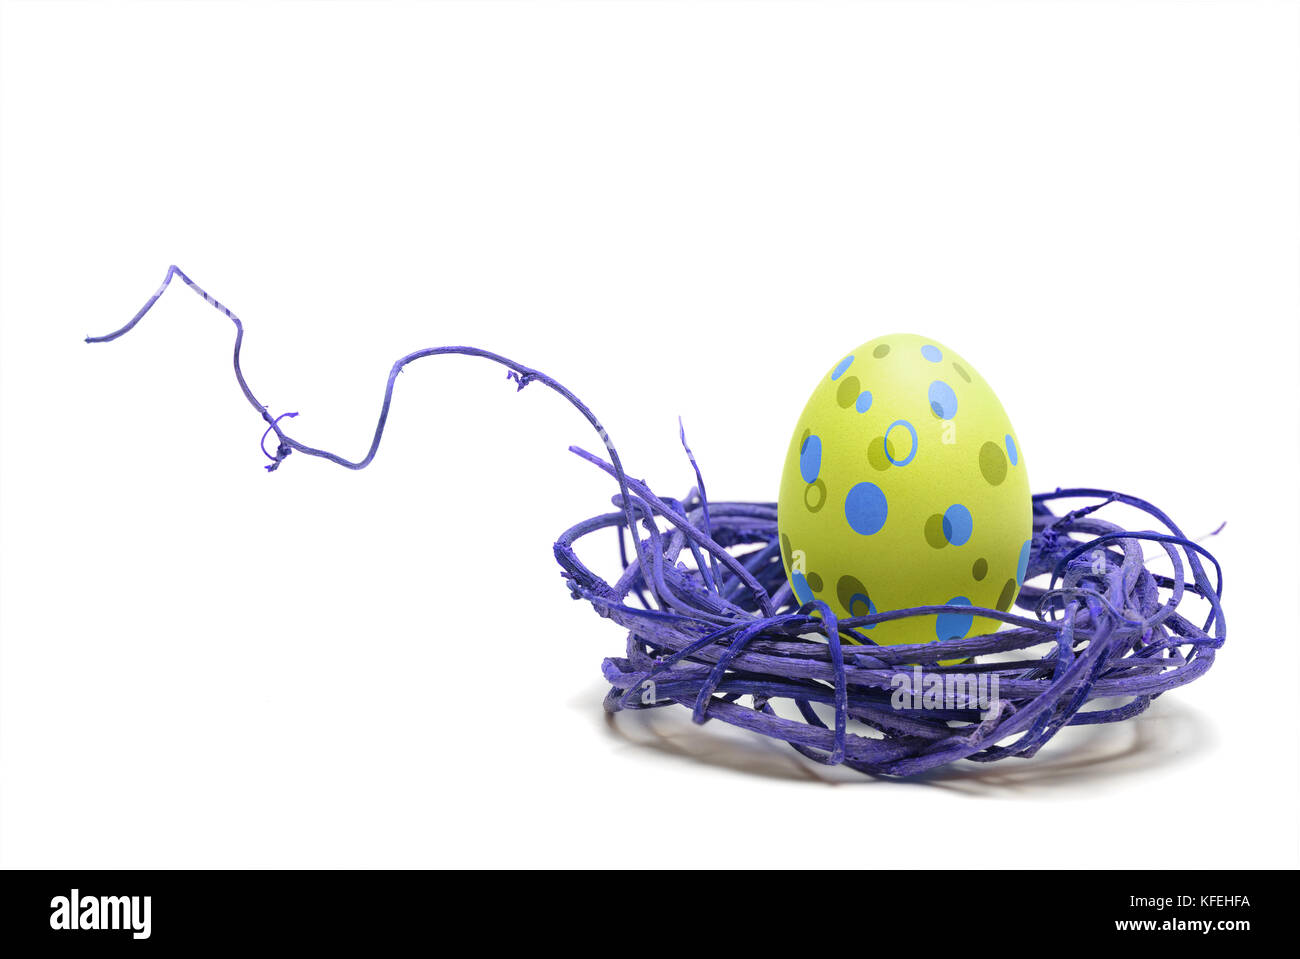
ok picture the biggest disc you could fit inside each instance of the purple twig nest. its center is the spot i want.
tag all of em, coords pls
(725, 638)
(712, 624)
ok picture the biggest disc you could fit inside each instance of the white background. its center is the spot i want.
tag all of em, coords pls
(676, 209)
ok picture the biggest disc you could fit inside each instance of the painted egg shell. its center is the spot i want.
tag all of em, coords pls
(904, 485)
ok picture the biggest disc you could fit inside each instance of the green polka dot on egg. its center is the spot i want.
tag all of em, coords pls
(814, 496)
(934, 534)
(915, 492)
(1007, 596)
(993, 464)
(853, 597)
(848, 391)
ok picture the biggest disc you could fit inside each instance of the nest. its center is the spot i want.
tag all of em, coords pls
(712, 624)
(723, 636)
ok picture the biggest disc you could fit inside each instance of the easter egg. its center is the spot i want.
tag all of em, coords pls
(904, 485)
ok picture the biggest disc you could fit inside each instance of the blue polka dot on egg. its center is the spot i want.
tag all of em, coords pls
(911, 453)
(1022, 566)
(957, 524)
(861, 605)
(810, 458)
(866, 508)
(954, 625)
(932, 353)
(864, 401)
(844, 364)
(1013, 454)
(799, 583)
(943, 401)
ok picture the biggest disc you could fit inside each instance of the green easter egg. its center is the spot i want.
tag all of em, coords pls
(904, 485)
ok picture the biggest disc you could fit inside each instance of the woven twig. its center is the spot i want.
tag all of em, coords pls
(723, 636)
